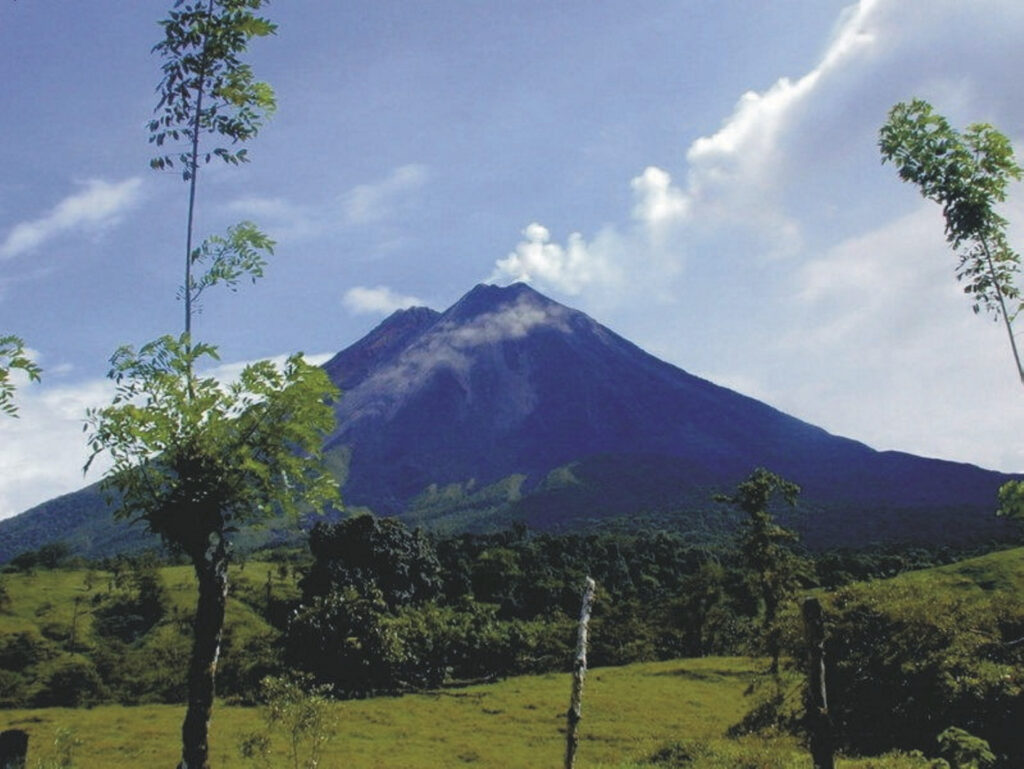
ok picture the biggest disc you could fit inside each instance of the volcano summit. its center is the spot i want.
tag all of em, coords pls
(512, 407)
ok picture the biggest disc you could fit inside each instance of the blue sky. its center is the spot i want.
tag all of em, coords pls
(701, 177)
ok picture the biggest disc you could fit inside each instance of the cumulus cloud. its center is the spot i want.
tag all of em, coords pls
(799, 266)
(778, 160)
(99, 204)
(641, 254)
(379, 300)
(570, 268)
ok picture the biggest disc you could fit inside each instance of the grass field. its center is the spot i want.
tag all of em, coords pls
(629, 713)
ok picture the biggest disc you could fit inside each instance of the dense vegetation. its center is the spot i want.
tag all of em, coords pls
(397, 610)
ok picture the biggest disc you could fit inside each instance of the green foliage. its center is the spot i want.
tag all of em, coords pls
(55, 639)
(967, 174)
(962, 750)
(370, 553)
(765, 546)
(13, 356)
(300, 710)
(69, 682)
(136, 603)
(228, 258)
(206, 88)
(23, 649)
(49, 556)
(910, 656)
(194, 459)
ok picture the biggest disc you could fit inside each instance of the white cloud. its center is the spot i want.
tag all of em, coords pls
(908, 365)
(658, 201)
(283, 220)
(42, 453)
(367, 203)
(634, 259)
(802, 270)
(446, 349)
(512, 322)
(374, 203)
(569, 268)
(380, 300)
(100, 204)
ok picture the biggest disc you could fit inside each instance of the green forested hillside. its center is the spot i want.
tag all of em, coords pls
(909, 656)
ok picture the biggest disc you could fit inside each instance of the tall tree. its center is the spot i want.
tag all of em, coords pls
(967, 174)
(775, 570)
(194, 458)
(13, 356)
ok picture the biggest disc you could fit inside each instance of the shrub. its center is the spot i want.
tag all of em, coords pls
(24, 649)
(300, 711)
(964, 751)
(69, 682)
(13, 690)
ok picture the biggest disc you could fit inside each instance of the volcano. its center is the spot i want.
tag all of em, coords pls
(510, 407)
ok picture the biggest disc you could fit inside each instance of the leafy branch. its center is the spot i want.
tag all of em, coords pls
(13, 356)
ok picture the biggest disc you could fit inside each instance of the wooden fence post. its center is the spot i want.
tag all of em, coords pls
(579, 672)
(13, 749)
(819, 724)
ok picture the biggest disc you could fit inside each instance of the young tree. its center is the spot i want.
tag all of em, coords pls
(967, 174)
(13, 356)
(775, 570)
(193, 458)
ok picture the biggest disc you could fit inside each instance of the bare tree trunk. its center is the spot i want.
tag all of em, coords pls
(819, 724)
(579, 673)
(208, 628)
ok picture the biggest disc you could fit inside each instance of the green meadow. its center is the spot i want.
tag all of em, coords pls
(630, 714)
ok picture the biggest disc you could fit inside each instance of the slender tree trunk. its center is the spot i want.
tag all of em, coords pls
(771, 631)
(579, 673)
(211, 569)
(193, 173)
(1002, 308)
(819, 723)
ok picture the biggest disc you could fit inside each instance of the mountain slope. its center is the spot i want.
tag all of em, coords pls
(509, 406)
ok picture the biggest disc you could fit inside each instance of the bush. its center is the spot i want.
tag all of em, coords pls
(139, 600)
(24, 649)
(69, 682)
(14, 691)
(300, 710)
(965, 751)
(905, 662)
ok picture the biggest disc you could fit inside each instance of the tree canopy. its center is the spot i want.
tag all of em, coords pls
(968, 175)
